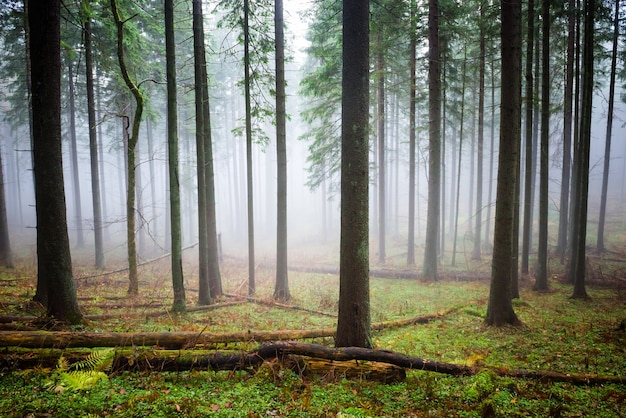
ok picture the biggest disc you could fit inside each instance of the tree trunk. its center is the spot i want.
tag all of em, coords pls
(380, 133)
(410, 259)
(492, 141)
(172, 160)
(204, 296)
(500, 309)
(529, 163)
(567, 133)
(476, 252)
(214, 277)
(541, 280)
(250, 194)
(54, 263)
(580, 207)
(281, 290)
(458, 180)
(353, 326)
(6, 258)
(429, 269)
(102, 184)
(78, 215)
(93, 145)
(609, 129)
(133, 288)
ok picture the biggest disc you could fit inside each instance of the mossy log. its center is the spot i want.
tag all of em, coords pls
(350, 362)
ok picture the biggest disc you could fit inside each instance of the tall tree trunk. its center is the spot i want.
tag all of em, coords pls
(500, 309)
(458, 180)
(172, 160)
(102, 185)
(410, 259)
(567, 133)
(93, 145)
(429, 269)
(54, 262)
(154, 231)
(541, 280)
(574, 194)
(609, 130)
(353, 324)
(529, 163)
(133, 287)
(215, 278)
(250, 199)
(78, 215)
(204, 296)
(380, 133)
(480, 140)
(580, 207)
(6, 257)
(281, 290)
(492, 141)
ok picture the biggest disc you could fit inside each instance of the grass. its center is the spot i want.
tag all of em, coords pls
(559, 334)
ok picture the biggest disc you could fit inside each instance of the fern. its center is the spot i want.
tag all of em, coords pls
(85, 373)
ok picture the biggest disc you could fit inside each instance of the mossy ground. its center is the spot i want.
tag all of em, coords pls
(559, 334)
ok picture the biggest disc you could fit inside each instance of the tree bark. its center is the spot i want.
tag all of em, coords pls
(541, 279)
(579, 265)
(250, 191)
(567, 133)
(410, 258)
(353, 326)
(54, 262)
(133, 286)
(172, 161)
(380, 134)
(500, 309)
(609, 130)
(6, 257)
(429, 268)
(93, 145)
(204, 296)
(528, 163)
(281, 290)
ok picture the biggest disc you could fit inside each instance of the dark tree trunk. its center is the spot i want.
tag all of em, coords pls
(281, 290)
(458, 180)
(410, 259)
(215, 278)
(580, 206)
(380, 133)
(476, 252)
(93, 148)
(78, 213)
(54, 263)
(609, 129)
(500, 309)
(133, 287)
(529, 164)
(429, 269)
(567, 133)
(6, 258)
(353, 326)
(172, 160)
(204, 296)
(541, 280)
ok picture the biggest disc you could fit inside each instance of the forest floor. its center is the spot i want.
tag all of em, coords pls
(558, 334)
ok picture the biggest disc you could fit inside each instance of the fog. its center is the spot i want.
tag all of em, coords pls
(313, 215)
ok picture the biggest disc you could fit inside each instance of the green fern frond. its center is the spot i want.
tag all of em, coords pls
(85, 373)
(97, 360)
(81, 379)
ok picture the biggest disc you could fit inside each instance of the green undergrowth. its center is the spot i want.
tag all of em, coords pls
(558, 334)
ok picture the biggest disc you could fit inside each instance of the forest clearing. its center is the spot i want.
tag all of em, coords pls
(559, 334)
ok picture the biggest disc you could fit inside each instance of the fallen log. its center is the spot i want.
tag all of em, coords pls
(179, 339)
(318, 359)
